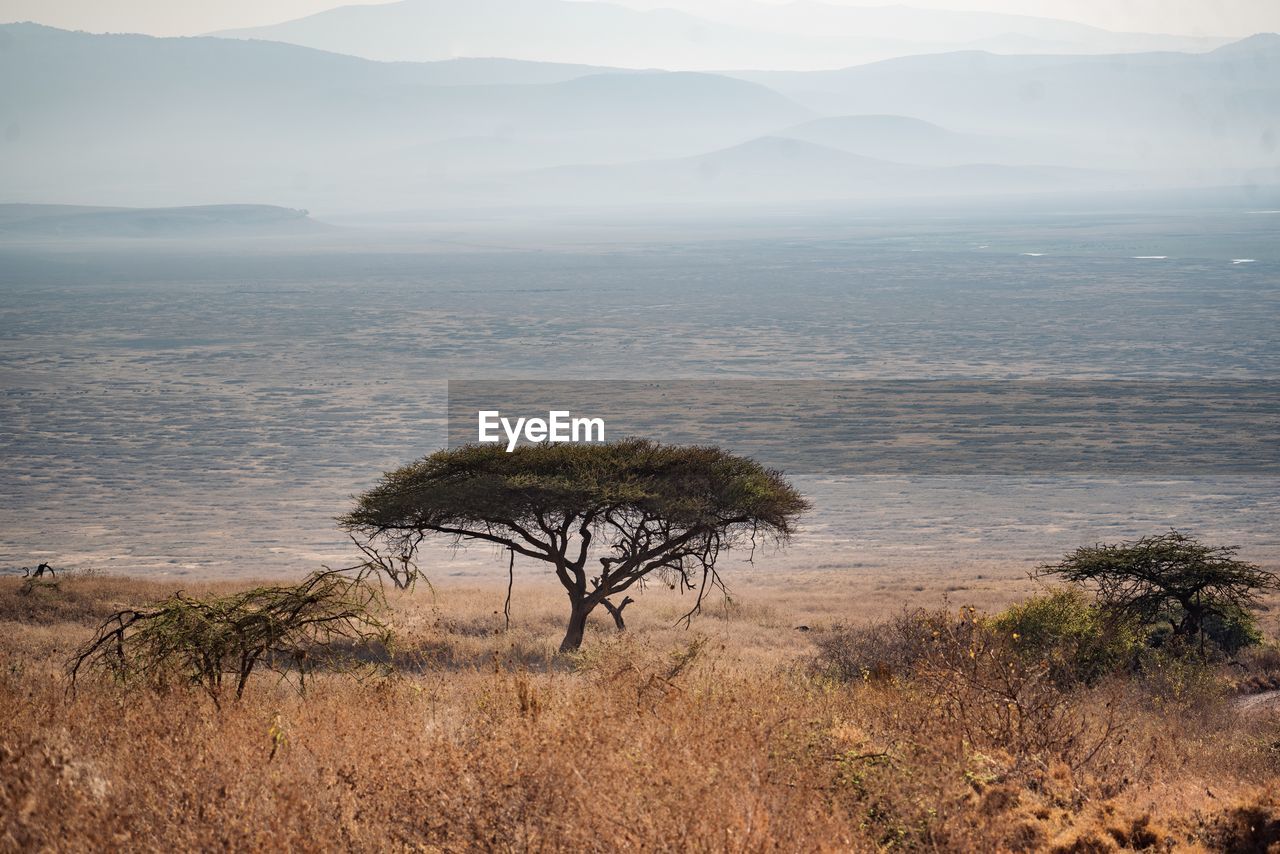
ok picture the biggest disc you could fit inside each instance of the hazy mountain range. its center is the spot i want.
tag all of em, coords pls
(1167, 109)
(149, 122)
(756, 35)
(114, 114)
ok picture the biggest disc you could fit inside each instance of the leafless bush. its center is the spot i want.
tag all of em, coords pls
(976, 681)
(893, 648)
(997, 697)
(34, 586)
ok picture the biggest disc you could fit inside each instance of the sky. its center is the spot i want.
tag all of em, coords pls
(192, 17)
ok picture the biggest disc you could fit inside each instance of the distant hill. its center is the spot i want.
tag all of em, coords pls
(601, 118)
(1261, 45)
(587, 32)
(153, 122)
(204, 119)
(772, 169)
(754, 35)
(64, 81)
(940, 27)
(25, 221)
(1135, 110)
(495, 72)
(908, 140)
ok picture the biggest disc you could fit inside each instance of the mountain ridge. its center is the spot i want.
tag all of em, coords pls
(186, 120)
(607, 33)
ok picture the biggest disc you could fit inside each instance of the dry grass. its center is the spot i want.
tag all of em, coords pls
(724, 737)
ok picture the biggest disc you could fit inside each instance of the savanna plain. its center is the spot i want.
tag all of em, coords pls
(192, 418)
(770, 725)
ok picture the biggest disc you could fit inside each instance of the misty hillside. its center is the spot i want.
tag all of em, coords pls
(939, 30)
(586, 32)
(229, 117)
(908, 140)
(26, 221)
(798, 35)
(776, 169)
(207, 120)
(1140, 109)
(60, 79)
(496, 72)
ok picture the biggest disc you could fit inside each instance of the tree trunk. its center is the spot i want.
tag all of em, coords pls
(616, 611)
(577, 626)
(1191, 627)
(1192, 620)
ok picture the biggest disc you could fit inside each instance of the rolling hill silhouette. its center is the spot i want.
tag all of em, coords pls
(795, 35)
(167, 122)
(774, 169)
(1131, 110)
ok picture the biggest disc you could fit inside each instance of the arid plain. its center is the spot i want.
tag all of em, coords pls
(194, 416)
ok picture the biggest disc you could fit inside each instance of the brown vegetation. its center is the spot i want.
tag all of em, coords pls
(735, 735)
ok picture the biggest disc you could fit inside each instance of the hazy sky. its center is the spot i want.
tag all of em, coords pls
(188, 17)
(164, 17)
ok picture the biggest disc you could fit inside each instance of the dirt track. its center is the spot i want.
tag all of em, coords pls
(1259, 702)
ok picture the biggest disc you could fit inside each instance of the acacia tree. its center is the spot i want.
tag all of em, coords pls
(1171, 576)
(603, 517)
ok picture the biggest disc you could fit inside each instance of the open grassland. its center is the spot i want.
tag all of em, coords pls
(732, 735)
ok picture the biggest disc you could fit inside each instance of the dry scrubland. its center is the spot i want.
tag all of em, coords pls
(732, 735)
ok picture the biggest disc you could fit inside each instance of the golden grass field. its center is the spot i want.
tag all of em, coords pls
(722, 737)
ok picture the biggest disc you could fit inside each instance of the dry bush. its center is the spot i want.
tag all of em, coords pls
(896, 647)
(997, 697)
(201, 640)
(1245, 829)
(976, 682)
(1257, 669)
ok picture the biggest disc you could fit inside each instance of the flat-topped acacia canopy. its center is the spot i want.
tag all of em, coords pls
(603, 516)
